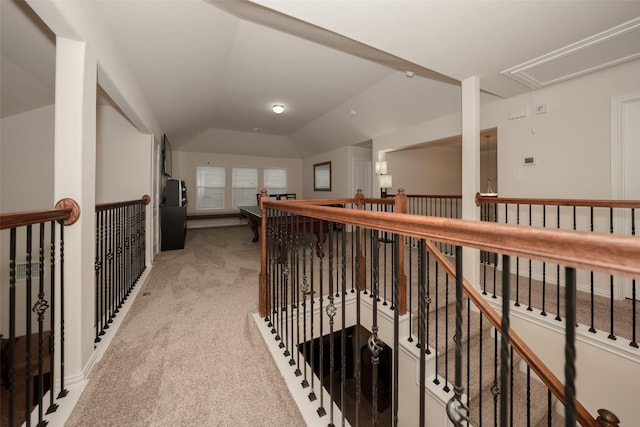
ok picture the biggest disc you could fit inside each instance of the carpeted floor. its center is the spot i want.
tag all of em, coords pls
(188, 352)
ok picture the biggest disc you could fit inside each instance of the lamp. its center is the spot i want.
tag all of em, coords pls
(386, 182)
(278, 109)
(381, 167)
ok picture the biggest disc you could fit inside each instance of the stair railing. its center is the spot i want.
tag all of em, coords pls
(605, 253)
(617, 217)
(34, 370)
(120, 257)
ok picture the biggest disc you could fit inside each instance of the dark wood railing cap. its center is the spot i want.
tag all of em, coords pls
(145, 200)
(607, 418)
(596, 203)
(68, 203)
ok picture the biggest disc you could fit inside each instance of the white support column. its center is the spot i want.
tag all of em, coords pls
(74, 177)
(471, 169)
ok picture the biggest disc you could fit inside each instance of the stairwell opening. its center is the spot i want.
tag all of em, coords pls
(384, 381)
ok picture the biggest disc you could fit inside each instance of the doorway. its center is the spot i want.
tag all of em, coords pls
(625, 156)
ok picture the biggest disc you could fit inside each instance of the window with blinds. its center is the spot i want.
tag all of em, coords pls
(210, 186)
(275, 180)
(244, 183)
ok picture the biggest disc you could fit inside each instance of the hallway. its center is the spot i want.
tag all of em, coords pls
(188, 351)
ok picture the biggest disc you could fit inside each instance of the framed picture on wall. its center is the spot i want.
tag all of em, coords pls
(322, 176)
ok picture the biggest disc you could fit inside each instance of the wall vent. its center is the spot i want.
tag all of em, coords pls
(21, 270)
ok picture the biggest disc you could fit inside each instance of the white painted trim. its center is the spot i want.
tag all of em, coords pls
(618, 171)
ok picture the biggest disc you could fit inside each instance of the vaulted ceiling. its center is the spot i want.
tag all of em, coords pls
(211, 70)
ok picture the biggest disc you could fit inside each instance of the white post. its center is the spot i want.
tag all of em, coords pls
(471, 169)
(74, 177)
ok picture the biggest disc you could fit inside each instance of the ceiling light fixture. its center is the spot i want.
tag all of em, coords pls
(278, 109)
(409, 73)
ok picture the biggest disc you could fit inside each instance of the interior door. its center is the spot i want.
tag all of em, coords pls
(625, 156)
(362, 177)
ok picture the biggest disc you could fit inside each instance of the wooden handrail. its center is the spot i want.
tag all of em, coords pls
(611, 254)
(431, 196)
(113, 205)
(20, 219)
(597, 203)
(66, 211)
(544, 373)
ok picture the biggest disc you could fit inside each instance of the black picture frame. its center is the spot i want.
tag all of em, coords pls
(166, 156)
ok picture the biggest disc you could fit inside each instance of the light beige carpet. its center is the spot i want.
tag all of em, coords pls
(188, 352)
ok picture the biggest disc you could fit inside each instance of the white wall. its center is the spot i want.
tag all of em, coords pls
(26, 183)
(339, 177)
(185, 163)
(427, 170)
(26, 156)
(571, 143)
(123, 158)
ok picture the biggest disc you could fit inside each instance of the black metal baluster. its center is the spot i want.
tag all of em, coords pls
(321, 410)
(505, 341)
(422, 343)
(12, 327)
(375, 344)
(550, 408)
(331, 312)
(468, 356)
(592, 329)
(28, 297)
(570, 350)
(397, 240)
(358, 354)
(63, 391)
(305, 291)
(634, 299)
(446, 333)
(52, 321)
(312, 395)
(480, 336)
(410, 245)
(111, 280)
(295, 297)
(436, 381)
(529, 308)
(517, 303)
(495, 388)
(98, 268)
(456, 410)
(528, 396)
(428, 300)
(558, 318)
(343, 343)
(39, 308)
(612, 335)
(544, 266)
(384, 266)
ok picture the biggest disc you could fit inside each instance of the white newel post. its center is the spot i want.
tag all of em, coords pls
(471, 169)
(74, 177)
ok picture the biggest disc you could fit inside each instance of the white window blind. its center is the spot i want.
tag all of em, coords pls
(210, 183)
(245, 186)
(275, 180)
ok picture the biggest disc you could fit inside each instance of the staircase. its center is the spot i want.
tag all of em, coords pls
(537, 322)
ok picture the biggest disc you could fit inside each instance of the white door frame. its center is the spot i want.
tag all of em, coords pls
(620, 138)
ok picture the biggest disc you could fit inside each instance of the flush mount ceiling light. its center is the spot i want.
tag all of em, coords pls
(278, 109)
(409, 73)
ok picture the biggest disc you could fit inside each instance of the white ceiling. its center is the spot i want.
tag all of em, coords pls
(211, 70)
